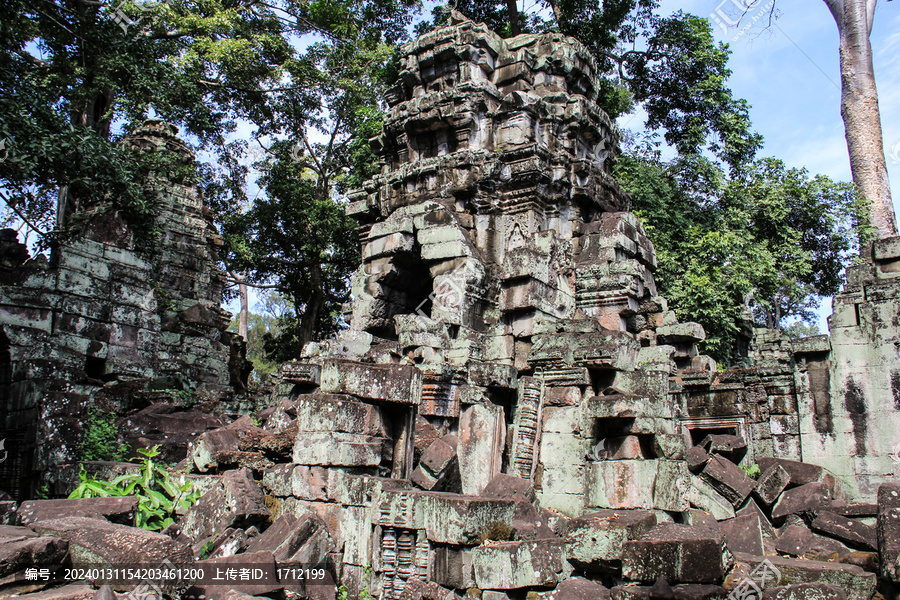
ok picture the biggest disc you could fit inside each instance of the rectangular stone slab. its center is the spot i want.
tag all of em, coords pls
(888, 527)
(399, 384)
(295, 539)
(805, 591)
(846, 530)
(464, 520)
(797, 540)
(24, 548)
(728, 479)
(98, 543)
(863, 509)
(297, 372)
(338, 449)
(771, 483)
(514, 565)
(117, 510)
(595, 541)
(334, 412)
(801, 473)
(801, 499)
(685, 591)
(703, 496)
(856, 583)
(452, 567)
(438, 461)
(482, 432)
(402, 508)
(743, 534)
(679, 553)
(649, 484)
(236, 501)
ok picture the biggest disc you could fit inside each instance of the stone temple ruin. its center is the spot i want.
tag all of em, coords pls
(514, 412)
(100, 313)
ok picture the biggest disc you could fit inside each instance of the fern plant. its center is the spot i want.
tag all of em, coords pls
(159, 496)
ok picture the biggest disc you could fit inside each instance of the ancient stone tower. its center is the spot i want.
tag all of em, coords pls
(513, 408)
(505, 319)
(102, 317)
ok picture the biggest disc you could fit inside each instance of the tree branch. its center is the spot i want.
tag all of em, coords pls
(870, 14)
(259, 286)
(32, 59)
(557, 13)
(620, 60)
(837, 11)
(169, 35)
(309, 148)
(307, 22)
(334, 131)
(219, 84)
(19, 214)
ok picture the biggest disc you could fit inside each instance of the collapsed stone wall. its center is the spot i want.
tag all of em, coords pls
(845, 393)
(100, 314)
(507, 346)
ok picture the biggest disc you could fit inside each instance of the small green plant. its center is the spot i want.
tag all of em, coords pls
(185, 398)
(165, 301)
(42, 492)
(207, 548)
(158, 494)
(364, 593)
(100, 437)
(751, 471)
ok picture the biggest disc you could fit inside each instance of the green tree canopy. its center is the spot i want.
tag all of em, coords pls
(297, 237)
(767, 243)
(307, 73)
(71, 72)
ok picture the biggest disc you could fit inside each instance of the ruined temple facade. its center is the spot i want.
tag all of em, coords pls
(505, 321)
(513, 413)
(846, 386)
(100, 316)
(501, 267)
(507, 341)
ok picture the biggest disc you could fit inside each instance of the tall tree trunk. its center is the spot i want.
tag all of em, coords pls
(859, 109)
(310, 317)
(314, 306)
(513, 12)
(245, 304)
(557, 12)
(245, 311)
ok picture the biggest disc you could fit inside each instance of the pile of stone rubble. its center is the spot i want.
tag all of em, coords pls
(787, 533)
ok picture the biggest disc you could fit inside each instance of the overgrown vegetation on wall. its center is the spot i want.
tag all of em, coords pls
(100, 441)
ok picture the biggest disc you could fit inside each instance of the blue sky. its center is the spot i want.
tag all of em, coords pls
(790, 75)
